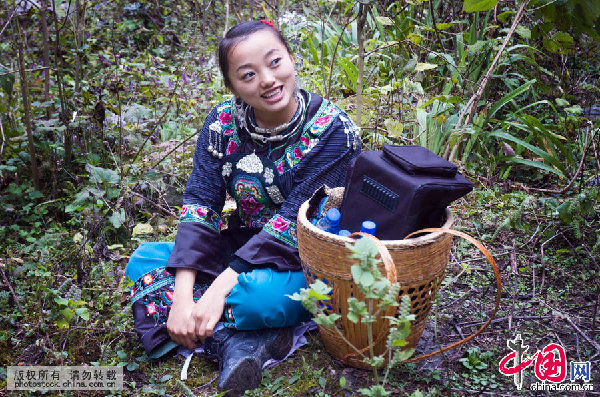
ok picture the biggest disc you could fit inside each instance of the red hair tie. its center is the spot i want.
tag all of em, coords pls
(267, 22)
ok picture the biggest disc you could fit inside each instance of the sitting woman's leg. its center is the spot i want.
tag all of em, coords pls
(259, 300)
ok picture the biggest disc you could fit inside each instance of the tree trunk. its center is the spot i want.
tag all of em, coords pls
(63, 107)
(46, 51)
(35, 173)
(362, 18)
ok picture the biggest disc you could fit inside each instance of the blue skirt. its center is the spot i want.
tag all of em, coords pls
(257, 301)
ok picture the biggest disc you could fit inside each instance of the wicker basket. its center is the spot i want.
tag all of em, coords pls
(420, 264)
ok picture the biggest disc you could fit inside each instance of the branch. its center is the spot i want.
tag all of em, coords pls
(12, 291)
(8, 22)
(471, 106)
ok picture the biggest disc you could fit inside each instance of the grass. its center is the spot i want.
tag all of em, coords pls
(549, 298)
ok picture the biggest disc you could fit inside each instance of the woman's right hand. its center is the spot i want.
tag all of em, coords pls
(180, 324)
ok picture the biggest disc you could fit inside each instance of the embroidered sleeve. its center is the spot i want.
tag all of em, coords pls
(197, 243)
(325, 163)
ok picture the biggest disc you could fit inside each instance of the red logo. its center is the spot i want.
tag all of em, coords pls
(550, 362)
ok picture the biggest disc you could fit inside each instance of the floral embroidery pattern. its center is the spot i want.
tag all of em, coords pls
(150, 282)
(312, 130)
(254, 207)
(225, 118)
(151, 308)
(282, 229)
(231, 146)
(202, 214)
(227, 126)
(157, 296)
(147, 280)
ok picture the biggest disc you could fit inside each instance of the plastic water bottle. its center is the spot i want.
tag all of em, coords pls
(368, 227)
(344, 233)
(331, 221)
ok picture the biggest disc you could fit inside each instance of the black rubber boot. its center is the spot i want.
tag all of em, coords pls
(241, 355)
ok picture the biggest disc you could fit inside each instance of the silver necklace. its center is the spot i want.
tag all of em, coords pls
(278, 138)
(279, 128)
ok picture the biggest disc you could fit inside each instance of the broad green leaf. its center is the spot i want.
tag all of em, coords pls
(394, 127)
(132, 366)
(505, 15)
(83, 312)
(507, 98)
(565, 213)
(117, 218)
(410, 65)
(385, 21)
(443, 26)
(535, 164)
(422, 66)
(102, 175)
(142, 228)
(415, 38)
(67, 313)
(523, 32)
(479, 5)
(575, 109)
(325, 320)
(7, 81)
(366, 246)
(540, 152)
(561, 102)
(317, 296)
(320, 287)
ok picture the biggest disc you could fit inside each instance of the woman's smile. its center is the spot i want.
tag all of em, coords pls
(262, 74)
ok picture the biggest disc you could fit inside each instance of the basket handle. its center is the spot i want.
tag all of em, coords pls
(390, 270)
(386, 258)
(492, 262)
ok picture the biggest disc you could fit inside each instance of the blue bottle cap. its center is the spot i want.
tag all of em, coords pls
(344, 233)
(333, 215)
(368, 227)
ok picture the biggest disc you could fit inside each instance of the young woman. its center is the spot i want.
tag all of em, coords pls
(271, 147)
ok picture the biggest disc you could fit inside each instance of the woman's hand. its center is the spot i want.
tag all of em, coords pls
(180, 324)
(209, 308)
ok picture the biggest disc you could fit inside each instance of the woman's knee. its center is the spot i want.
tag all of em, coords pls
(260, 299)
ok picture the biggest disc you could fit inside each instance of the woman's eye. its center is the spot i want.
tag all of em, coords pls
(247, 75)
(275, 61)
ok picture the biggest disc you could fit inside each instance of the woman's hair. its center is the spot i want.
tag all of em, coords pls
(237, 34)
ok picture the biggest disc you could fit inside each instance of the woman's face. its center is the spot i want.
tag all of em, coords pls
(262, 73)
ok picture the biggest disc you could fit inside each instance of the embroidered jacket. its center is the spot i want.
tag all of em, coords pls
(269, 181)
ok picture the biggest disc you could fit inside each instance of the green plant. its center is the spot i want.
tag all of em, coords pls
(379, 295)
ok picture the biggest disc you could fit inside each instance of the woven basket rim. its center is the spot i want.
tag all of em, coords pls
(412, 242)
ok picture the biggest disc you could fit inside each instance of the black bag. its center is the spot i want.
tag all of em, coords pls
(402, 189)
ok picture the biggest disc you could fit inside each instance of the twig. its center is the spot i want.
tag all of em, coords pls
(437, 32)
(334, 54)
(583, 334)
(12, 291)
(160, 207)
(27, 70)
(8, 21)
(102, 329)
(542, 261)
(3, 140)
(478, 258)
(502, 319)
(471, 106)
